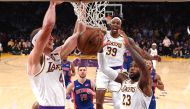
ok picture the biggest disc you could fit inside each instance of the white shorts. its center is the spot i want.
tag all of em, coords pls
(154, 64)
(104, 82)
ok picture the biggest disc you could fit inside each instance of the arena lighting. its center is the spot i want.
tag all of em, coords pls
(188, 31)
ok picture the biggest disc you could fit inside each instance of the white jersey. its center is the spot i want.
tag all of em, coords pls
(48, 84)
(133, 97)
(1, 47)
(153, 52)
(114, 51)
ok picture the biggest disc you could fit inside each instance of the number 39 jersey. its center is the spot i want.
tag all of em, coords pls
(133, 97)
(114, 51)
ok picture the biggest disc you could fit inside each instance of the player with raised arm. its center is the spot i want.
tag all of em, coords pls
(44, 63)
(136, 89)
(113, 50)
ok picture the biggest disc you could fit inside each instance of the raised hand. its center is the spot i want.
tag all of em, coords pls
(56, 2)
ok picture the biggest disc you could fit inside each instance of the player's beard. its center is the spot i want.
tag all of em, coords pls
(135, 77)
(82, 76)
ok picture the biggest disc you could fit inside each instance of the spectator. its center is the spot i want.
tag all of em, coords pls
(16, 49)
(177, 52)
(26, 48)
(1, 49)
(166, 46)
(10, 44)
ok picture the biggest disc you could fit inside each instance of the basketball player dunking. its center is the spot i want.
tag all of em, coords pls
(83, 90)
(136, 89)
(44, 63)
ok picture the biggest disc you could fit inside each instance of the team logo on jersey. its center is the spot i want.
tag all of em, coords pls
(128, 89)
(119, 45)
(53, 66)
(82, 90)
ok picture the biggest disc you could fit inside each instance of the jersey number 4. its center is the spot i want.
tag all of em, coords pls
(111, 51)
(126, 100)
(61, 79)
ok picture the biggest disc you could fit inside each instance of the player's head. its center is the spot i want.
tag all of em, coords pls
(64, 58)
(134, 72)
(82, 70)
(148, 64)
(35, 35)
(115, 25)
(154, 45)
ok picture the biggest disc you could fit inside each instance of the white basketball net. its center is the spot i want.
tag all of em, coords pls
(92, 14)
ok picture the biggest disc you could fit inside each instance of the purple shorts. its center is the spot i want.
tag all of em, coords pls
(51, 107)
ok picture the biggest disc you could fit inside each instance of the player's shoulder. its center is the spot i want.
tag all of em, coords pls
(56, 50)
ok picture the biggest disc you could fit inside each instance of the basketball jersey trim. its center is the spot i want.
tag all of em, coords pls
(43, 65)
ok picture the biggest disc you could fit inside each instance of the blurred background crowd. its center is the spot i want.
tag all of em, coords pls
(162, 23)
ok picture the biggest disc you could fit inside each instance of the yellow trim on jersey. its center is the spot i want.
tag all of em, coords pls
(43, 65)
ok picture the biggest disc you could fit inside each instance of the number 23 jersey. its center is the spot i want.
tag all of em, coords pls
(133, 97)
(114, 51)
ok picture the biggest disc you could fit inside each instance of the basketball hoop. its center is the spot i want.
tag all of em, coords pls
(91, 14)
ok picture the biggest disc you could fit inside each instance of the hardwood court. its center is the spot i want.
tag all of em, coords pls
(15, 89)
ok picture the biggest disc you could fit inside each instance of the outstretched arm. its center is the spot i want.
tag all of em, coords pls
(71, 43)
(42, 38)
(143, 53)
(159, 84)
(145, 78)
(113, 74)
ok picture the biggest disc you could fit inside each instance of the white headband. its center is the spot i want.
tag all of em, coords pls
(154, 44)
(117, 19)
(36, 37)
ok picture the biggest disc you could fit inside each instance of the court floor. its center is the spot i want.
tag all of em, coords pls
(16, 93)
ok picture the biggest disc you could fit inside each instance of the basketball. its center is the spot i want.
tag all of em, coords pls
(90, 41)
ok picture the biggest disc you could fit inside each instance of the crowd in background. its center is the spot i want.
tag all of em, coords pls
(163, 23)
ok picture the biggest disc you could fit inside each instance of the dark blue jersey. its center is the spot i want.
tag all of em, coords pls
(66, 67)
(153, 100)
(83, 98)
(127, 60)
(153, 75)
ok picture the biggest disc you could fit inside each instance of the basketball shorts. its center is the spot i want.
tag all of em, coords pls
(51, 107)
(103, 82)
